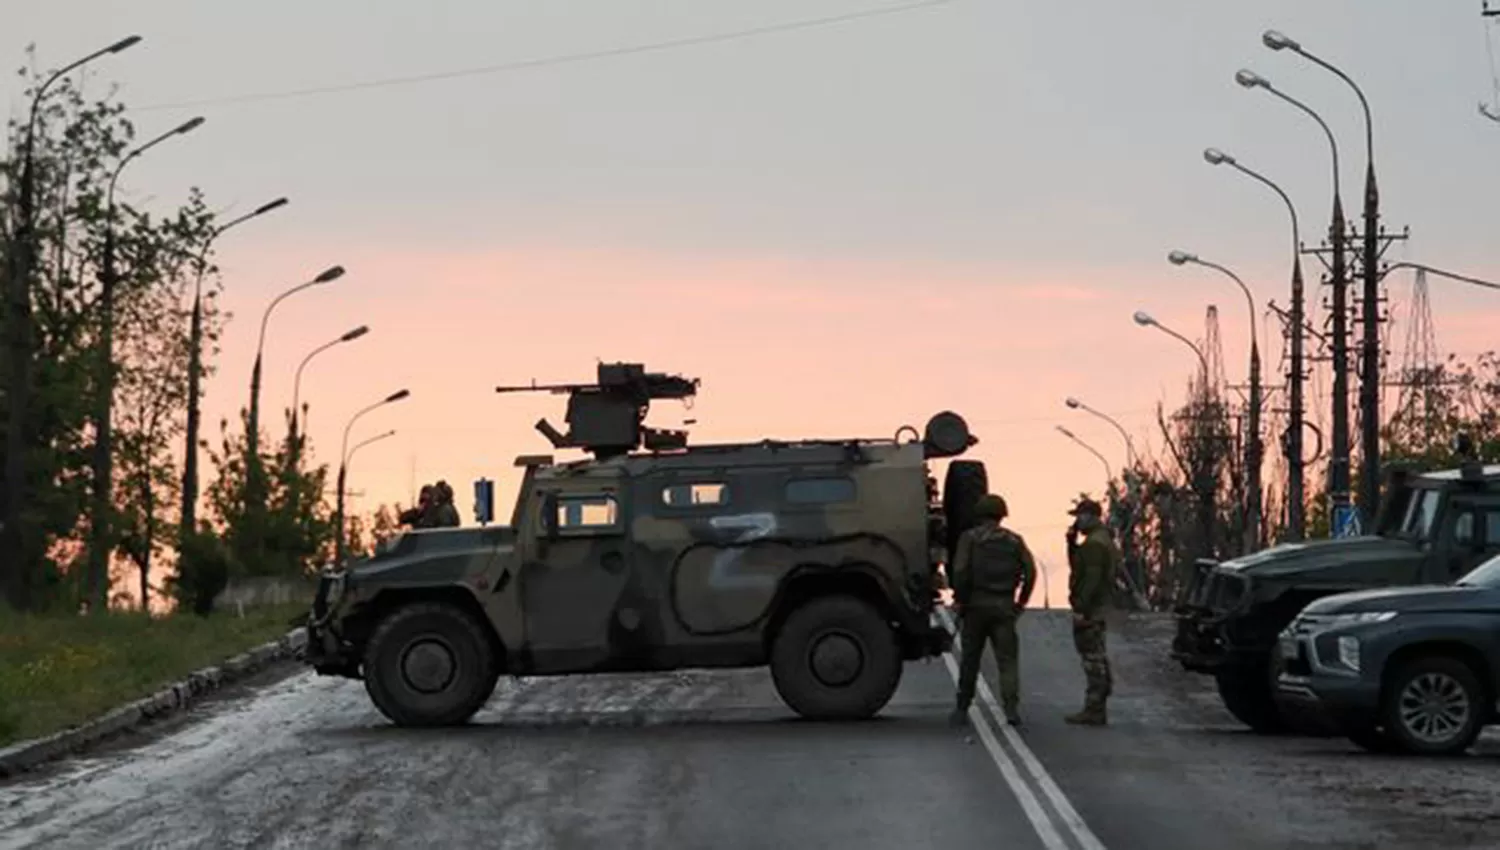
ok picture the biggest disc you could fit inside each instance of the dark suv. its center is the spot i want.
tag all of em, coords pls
(1402, 670)
(1432, 529)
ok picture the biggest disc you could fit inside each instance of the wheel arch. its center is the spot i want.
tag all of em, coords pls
(1462, 651)
(387, 600)
(812, 582)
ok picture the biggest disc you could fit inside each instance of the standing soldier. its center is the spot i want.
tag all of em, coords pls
(1092, 564)
(990, 565)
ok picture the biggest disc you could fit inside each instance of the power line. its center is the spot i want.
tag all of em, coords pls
(563, 59)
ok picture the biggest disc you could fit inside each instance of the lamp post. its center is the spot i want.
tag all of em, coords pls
(252, 435)
(1292, 443)
(1109, 473)
(15, 572)
(338, 558)
(1369, 388)
(1130, 457)
(1338, 462)
(1253, 447)
(346, 461)
(1145, 320)
(294, 452)
(195, 370)
(97, 580)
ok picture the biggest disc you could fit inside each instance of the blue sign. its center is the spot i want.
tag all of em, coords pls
(484, 501)
(1345, 521)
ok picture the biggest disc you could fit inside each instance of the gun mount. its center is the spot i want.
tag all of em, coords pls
(607, 418)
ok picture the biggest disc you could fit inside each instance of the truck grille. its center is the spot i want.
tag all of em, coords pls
(1222, 591)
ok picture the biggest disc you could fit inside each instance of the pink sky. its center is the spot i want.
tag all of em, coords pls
(785, 348)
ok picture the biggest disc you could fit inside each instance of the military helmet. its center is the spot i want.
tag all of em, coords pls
(991, 506)
(1086, 506)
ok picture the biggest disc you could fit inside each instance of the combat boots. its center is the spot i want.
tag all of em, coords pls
(1090, 716)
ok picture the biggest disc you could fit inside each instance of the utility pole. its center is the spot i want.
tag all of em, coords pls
(1372, 303)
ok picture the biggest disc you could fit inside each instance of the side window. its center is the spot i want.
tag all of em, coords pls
(587, 514)
(819, 491)
(694, 495)
(1463, 529)
(1492, 529)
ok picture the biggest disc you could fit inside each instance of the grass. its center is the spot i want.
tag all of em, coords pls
(60, 671)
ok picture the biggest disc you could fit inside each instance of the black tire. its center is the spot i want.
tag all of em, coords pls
(1440, 676)
(1249, 695)
(450, 638)
(963, 484)
(1367, 736)
(861, 664)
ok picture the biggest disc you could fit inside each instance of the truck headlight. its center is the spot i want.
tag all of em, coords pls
(1349, 652)
(1339, 620)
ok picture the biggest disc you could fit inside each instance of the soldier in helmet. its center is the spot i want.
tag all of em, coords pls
(993, 576)
(416, 516)
(445, 513)
(1092, 564)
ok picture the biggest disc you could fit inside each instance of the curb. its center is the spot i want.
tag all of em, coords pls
(176, 697)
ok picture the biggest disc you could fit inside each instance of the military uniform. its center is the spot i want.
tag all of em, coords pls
(990, 565)
(445, 515)
(1092, 565)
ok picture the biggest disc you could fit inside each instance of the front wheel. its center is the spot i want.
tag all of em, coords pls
(836, 658)
(429, 664)
(1248, 694)
(1433, 706)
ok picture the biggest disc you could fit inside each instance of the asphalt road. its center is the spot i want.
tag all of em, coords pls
(712, 759)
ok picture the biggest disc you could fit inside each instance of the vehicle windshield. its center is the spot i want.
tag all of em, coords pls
(1421, 511)
(1486, 574)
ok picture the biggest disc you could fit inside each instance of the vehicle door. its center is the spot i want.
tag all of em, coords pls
(1465, 538)
(572, 582)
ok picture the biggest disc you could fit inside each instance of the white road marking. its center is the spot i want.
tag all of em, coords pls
(1029, 803)
(1033, 765)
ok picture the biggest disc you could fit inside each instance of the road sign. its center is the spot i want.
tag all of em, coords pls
(484, 501)
(1345, 521)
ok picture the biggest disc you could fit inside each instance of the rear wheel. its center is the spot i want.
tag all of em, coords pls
(836, 658)
(429, 664)
(1249, 695)
(1434, 705)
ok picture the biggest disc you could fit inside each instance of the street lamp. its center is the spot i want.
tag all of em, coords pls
(195, 370)
(344, 454)
(1130, 457)
(252, 437)
(1109, 473)
(349, 459)
(1253, 447)
(1338, 464)
(17, 578)
(97, 579)
(1292, 447)
(350, 336)
(1145, 320)
(1369, 388)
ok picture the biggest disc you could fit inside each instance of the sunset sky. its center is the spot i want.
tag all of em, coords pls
(840, 229)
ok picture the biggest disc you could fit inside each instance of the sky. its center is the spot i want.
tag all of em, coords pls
(841, 229)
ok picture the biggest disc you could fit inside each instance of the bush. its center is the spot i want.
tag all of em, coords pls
(203, 570)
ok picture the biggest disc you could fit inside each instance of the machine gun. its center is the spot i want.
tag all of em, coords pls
(607, 418)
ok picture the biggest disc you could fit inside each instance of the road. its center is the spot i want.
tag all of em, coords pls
(712, 759)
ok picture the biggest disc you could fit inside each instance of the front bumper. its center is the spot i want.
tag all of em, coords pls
(327, 651)
(1309, 685)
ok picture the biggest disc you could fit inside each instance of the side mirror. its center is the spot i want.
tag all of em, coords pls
(549, 515)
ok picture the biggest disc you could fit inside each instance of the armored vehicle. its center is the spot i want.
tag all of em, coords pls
(1432, 528)
(815, 557)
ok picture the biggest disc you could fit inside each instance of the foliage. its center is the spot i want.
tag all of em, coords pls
(204, 565)
(285, 534)
(79, 145)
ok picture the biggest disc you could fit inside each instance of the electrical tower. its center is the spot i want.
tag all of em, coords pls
(1213, 352)
(1420, 361)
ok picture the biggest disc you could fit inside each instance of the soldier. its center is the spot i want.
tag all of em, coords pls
(990, 566)
(444, 514)
(416, 516)
(1092, 564)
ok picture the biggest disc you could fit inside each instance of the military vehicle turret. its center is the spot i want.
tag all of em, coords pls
(814, 557)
